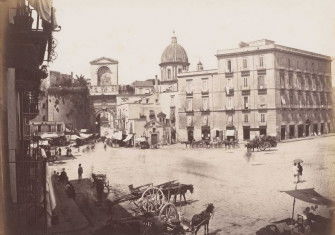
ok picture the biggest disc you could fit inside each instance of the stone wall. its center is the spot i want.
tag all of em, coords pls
(69, 105)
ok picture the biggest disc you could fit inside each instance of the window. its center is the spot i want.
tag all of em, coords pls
(229, 66)
(189, 121)
(282, 79)
(245, 102)
(245, 63)
(39, 128)
(291, 97)
(289, 62)
(261, 61)
(230, 102)
(169, 73)
(246, 118)
(205, 103)
(147, 100)
(245, 81)
(230, 82)
(59, 127)
(205, 84)
(189, 106)
(282, 98)
(205, 120)
(260, 80)
(262, 117)
(179, 70)
(188, 85)
(230, 119)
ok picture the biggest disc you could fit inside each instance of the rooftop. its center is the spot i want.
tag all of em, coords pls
(265, 44)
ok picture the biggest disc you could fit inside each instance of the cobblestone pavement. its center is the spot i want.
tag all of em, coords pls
(244, 189)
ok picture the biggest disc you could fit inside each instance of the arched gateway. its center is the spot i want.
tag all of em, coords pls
(103, 91)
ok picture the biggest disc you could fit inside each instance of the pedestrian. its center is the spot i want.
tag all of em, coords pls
(63, 176)
(299, 171)
(80, 172)
(60, 152)
(105, 146)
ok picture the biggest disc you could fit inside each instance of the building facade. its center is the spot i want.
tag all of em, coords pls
(260, 88)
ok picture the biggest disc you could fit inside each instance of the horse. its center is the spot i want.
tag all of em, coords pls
(202, 219)
(180, 190)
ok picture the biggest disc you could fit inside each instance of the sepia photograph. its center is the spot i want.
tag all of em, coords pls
(167, 117)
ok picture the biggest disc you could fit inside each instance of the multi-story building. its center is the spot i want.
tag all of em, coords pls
(259, 88)
(26, 29)
(199, 95)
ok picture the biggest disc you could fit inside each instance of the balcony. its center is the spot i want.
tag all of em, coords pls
(205, 92)
(229, 91)
(245, 88)
(104, 90)
(262, 123)
(229, 74)
(30, 101)
(189, 110)
(189, 92)
(230, 108)
(262, 106)
(262, 87)
(204, 110)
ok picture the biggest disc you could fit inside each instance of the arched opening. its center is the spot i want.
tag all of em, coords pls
(101, 71)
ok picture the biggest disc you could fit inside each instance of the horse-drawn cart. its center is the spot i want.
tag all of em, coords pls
(262, 143)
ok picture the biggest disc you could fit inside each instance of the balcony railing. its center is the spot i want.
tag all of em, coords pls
(230, 108)
(245, 88)
(205, 92)
(189, 92)
(262, 87)
(204, 110)
(104, 90)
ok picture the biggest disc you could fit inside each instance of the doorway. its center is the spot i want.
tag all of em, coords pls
(154, 139)
(300, 131)
(246, 133)
(322, 128)
(315, 129)
(262, 130)
(282, 132)
(292, 131)
(205, 132)
(307, 130)
(190, 134)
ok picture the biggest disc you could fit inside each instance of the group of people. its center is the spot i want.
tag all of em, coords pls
(64, 179)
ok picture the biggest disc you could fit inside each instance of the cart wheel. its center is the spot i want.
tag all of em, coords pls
(169, 213)
(152, 199)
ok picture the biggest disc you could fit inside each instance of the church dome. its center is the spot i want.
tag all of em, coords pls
(174, 53)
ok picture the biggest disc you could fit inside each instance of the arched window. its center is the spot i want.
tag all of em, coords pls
(101, 71)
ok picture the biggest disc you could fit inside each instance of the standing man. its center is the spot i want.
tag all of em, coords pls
(300, 169)
(80, 172)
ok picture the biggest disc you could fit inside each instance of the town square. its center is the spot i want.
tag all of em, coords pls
(167, 117)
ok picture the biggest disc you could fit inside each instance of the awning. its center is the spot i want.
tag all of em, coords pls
(74, 137)
(49, 135)
(117, 135)
(230, 133)
(140, 139)
(41, 142)
(82, 135)
(309, 195)
(83, 130)
(128, 137)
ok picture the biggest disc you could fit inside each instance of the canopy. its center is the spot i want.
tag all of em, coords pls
(82, 135)
(309, 195)
(41, 142)
(141, 139)
(117, 135)
(230, 133)
(74, 137)
(49, 135)
(128, 137)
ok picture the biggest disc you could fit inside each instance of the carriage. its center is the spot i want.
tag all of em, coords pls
(97, 178)
(154, 210)
(262, 143)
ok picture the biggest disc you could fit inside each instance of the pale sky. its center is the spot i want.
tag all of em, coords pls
(135, 32)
